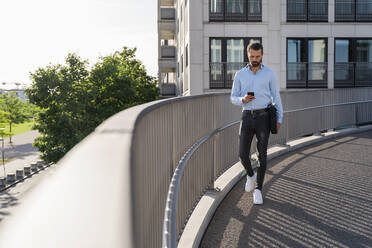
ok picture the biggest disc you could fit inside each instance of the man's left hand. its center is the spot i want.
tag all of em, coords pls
(278, 126)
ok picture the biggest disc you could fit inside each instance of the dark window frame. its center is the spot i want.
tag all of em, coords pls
(181, 7)
(225, 17)
(306, 60)
(352, 60)
(187, 55)
(182, 63)
(355, 14)
(307, 13)
(226, 84)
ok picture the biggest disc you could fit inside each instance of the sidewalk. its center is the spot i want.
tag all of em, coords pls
(317, 196)
(20, 152)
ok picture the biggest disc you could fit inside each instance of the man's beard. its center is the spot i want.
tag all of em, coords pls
(256, 64)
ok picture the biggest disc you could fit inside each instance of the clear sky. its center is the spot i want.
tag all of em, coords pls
(34, 33)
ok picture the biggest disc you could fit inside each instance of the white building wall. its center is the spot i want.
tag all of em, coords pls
(196, 47)
(195, 31)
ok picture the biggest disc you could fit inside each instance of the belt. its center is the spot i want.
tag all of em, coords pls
(256, 111)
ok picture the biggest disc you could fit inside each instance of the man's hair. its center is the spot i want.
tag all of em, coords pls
(255, 46)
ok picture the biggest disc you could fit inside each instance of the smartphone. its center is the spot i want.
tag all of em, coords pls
(250, 93)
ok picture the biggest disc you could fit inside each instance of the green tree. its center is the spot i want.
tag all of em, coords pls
(73, 101)
(13, 110)
(57, 90)
(117, 82)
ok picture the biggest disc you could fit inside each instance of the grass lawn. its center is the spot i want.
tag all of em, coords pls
(19, 128)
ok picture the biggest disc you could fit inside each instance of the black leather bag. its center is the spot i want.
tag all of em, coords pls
(273, 118)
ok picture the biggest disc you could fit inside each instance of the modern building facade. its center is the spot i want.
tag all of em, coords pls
(308, 43)
(19, 89)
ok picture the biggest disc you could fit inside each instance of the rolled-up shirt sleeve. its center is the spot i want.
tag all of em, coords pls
(236, 98)
(274, 90)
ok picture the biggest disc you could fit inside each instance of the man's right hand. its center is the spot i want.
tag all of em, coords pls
(248, 98)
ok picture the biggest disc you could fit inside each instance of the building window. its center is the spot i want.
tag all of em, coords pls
(307, 63)
(235, 10)
(181, 63)
(178, 26)
(353, 62)
(181, 13)
(353, 11)
(307, 10)
(226, 57)
(187, 55)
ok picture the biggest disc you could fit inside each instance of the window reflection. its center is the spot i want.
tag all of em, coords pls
(364, 51)
(235, 6)
(254, 7)
(215, 6)
(227, 56)
(216, 58)
(235, 50)
(342, 50)
(307, 63)
(317, 51)
(235, 57)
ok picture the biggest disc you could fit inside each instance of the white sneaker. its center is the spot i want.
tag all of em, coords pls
(257, 197)
(249, 185)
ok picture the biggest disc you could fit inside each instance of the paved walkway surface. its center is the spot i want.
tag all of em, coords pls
(20, 152)
(320, 196)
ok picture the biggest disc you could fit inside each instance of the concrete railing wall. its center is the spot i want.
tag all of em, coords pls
(110, 190)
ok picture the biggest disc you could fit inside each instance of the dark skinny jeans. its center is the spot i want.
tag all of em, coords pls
(254, 124)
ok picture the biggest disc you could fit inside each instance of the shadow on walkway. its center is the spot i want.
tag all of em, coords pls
(318, 196)
(20, 151)
(6, 202)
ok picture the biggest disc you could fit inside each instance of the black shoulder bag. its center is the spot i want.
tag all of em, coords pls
(273, 118)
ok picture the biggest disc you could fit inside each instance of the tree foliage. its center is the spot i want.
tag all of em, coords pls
(14, 111)
(74, 100)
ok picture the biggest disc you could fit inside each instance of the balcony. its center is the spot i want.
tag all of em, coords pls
(353, 75)
(167, 14)
(167, 23)
(166, 2)
(167, 27)
(307, 75)
(167, 64)
(168, 52)
(167, 84)
(167, 89)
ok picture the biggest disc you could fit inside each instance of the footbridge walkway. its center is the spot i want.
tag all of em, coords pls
(153, 175)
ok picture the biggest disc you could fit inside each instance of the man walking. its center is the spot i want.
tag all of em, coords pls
(254, 87)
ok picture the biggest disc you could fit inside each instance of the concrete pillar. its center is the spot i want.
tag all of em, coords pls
(2, 183)
(27, 170)
(40, 164)
(34, 166)
(331, 54)
(19, 174)
(10, 178)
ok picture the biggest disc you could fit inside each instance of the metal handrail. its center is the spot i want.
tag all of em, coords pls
(325, 106)
(169, 226)
(170, 213)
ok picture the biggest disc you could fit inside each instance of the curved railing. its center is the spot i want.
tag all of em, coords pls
(111, 189)
(170, 232)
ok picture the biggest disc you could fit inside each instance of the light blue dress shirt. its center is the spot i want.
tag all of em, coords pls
(263, 84)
